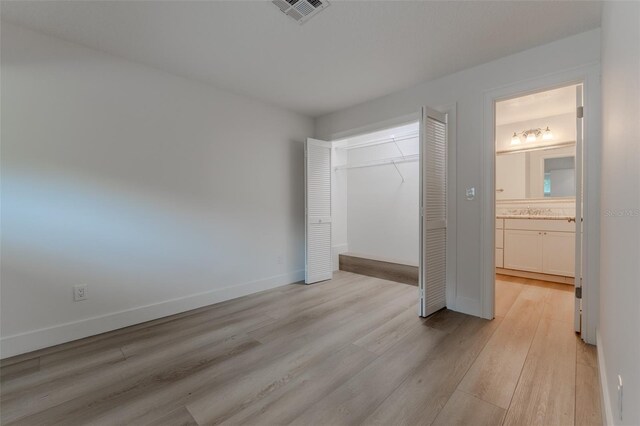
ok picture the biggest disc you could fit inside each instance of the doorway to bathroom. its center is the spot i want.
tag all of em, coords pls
(538, 196)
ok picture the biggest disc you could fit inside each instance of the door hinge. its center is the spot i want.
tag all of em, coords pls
(580, 112)
(578, 292)
(421, 293)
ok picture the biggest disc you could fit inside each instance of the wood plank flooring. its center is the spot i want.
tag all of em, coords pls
(347, 351)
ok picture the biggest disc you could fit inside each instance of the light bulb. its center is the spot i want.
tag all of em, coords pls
(515, 140)
(531, 137)
(547, 136)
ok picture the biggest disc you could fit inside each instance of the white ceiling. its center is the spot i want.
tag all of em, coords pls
(537, 105)
(349, 53)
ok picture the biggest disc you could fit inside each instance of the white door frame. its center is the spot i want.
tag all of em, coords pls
(589, 76)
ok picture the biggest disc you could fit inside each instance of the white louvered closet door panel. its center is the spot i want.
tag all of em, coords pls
(318, 262)
(433, 203)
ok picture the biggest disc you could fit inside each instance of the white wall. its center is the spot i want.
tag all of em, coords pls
(467, 89)
(339, 206)
(619, 331)
(159, 193)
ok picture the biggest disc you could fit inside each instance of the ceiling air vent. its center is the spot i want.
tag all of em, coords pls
(301, 10)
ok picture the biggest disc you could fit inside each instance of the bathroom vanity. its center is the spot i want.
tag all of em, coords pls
(536, 203)
(536, 246)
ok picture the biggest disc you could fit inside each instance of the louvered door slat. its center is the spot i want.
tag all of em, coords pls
(433, 202)
(318, 264)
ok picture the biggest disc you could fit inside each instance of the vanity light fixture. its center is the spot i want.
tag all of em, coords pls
(515, 139)
(531, 135)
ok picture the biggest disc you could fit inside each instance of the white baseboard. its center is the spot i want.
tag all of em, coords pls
(37, 339)
(605, 401)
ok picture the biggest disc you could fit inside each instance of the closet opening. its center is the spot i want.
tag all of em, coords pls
(376, 203)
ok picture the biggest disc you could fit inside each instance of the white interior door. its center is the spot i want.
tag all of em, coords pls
(317, 174)
(433, 211)
(579, 215)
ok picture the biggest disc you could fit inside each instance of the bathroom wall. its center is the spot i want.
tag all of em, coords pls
(562, 126)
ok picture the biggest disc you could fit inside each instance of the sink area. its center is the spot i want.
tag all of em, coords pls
(506, 216)
(531, 212)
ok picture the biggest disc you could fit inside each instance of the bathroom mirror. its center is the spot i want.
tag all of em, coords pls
(536, 174)
(559, 177)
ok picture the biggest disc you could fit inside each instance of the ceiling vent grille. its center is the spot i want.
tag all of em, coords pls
(301, 10)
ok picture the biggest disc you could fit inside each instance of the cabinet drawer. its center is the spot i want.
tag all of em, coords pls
(540, 225)
(499, 258)
(499, 238)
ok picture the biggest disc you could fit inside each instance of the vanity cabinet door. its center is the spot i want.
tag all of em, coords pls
(499, 248)
(499, 258)
(523, 250)
(558, 253)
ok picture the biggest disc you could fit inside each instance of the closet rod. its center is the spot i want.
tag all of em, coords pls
(404, 137)
(381, 162)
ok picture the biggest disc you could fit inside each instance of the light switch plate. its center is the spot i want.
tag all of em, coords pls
(79, 292)
(471, 193)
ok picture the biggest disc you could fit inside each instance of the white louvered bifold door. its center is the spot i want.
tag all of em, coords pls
(317, 172)
(433, 209)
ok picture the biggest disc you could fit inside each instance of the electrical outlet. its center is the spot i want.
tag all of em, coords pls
(279, 259)
(620, 396)
(79, 292)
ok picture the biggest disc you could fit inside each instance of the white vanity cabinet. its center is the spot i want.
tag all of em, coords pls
(543, 246)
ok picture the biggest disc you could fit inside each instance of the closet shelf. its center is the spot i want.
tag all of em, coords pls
(380, 162)
(404, 137)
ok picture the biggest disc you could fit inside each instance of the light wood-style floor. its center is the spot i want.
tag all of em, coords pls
(347, 351)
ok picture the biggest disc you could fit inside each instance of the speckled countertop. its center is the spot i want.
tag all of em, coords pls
(521, 216)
